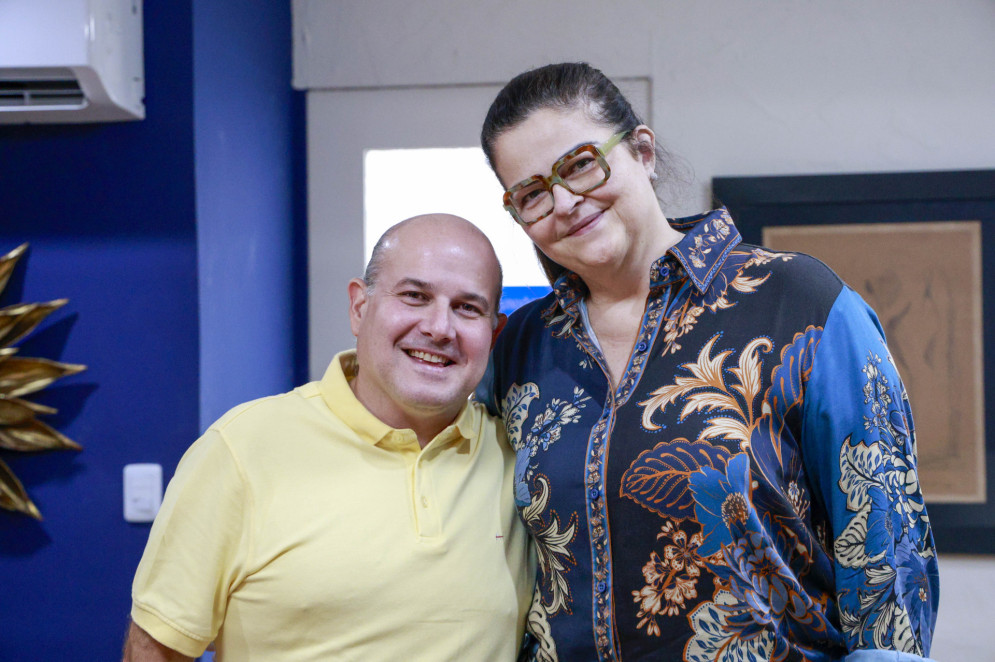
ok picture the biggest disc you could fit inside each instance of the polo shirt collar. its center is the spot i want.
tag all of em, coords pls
(338, 396)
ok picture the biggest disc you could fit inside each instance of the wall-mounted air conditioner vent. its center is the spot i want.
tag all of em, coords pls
(62, 93)
(71, 61)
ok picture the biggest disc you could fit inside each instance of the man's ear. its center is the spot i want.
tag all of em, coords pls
(502, 320)
(358, 297)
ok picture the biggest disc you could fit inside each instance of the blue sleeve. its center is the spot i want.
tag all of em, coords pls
(859, 449)
(878, 655)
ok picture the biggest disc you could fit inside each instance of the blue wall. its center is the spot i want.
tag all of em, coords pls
(177, 240)
(249, 145)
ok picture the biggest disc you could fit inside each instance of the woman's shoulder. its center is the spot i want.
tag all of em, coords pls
(798, 269)
(531, 313)
(804, 283)
(527, 331)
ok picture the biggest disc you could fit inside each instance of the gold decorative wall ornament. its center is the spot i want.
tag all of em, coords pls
(19, 376)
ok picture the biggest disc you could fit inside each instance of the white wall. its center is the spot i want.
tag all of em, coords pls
(738, 87)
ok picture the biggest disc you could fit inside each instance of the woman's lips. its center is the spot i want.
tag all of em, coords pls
(585, 223)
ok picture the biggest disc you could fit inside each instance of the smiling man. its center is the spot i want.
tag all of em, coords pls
(367, 516)
(425, 317)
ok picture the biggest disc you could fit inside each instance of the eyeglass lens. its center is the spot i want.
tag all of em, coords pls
(578, 172)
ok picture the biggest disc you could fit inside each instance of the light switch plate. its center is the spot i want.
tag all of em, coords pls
(142, 492)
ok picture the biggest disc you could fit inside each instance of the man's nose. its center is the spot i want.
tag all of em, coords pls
(438, 322)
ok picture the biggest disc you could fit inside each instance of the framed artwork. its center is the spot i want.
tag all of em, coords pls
(913, 245)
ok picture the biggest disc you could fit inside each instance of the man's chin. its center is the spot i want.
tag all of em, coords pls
(442, 404)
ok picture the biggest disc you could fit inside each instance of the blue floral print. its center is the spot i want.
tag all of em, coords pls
(747, 491)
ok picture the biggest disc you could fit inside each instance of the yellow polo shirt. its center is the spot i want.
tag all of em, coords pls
(301, 527)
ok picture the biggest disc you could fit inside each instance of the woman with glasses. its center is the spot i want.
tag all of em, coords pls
(716, 456)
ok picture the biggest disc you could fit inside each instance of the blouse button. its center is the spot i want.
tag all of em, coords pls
(594, 493)
(602, 587)
(641, 347)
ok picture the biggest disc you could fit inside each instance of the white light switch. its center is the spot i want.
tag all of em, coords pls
(142, 492)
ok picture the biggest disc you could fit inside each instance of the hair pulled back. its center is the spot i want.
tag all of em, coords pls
(564, 86)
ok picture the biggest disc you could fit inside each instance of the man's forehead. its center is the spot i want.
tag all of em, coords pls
(451, 257)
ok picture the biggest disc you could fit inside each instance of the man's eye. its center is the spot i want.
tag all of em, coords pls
(470, 310)
(413, 296)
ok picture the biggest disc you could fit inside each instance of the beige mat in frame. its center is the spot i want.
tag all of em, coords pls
(924, 282)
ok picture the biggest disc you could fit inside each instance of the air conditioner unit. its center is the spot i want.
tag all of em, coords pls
(65, 61)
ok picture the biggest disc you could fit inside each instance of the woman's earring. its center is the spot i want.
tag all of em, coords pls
(653, 176)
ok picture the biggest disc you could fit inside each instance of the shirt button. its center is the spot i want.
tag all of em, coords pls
(641, 347)
(593, 492)
(602, 587)
(424, 502)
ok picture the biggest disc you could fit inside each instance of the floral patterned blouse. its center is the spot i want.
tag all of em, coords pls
(748, 491)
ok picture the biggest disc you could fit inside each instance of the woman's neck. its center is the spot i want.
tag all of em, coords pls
(630, 279)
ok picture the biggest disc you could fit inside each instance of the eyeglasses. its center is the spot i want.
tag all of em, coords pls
(581, 171)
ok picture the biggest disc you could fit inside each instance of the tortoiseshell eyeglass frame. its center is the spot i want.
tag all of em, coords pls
(599, 152)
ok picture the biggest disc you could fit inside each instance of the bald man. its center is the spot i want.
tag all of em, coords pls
(365, 517)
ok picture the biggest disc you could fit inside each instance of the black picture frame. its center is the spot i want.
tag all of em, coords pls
(756, 202)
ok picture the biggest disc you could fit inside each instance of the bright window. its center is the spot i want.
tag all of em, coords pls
(400, 183)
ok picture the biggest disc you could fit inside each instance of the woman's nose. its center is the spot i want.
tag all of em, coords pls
(563, 200)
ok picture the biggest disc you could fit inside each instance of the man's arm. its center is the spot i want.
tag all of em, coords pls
(141, 647)
(192, 554)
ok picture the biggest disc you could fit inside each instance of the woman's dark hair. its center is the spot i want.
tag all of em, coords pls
(567, 86)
